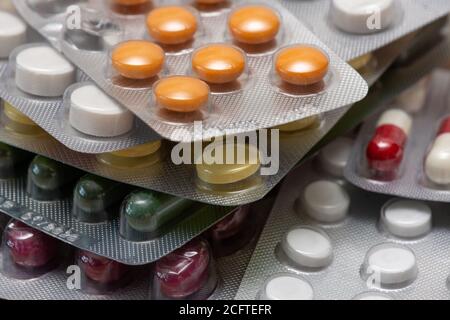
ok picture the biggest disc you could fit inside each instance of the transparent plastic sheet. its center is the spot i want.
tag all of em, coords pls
(259, 106)
(52, 114)
(344, 276)
(413, 15)
(426, 122)
(166, 177)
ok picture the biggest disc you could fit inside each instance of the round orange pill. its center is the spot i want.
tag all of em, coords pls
(131, 6)
(172, 25)
(301, 65)
(218, 63)
(138, 59)
(254, 24)
(181, 93)
(210, 1)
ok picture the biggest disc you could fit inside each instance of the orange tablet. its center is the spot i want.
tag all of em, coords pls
(301, 65)
(181, 93)
(138, 59)
(172, 25)
(254, 24)
(210, 1)
(131, 6)
(218, 63)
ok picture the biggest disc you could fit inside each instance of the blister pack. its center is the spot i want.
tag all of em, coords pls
(326, 239)
(150, 167)
(403, 151)
(133, 226)
(353, 29)
(34, 264)
(51, 93)
(213, 69)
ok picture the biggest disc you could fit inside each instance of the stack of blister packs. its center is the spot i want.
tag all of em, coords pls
(142, 144)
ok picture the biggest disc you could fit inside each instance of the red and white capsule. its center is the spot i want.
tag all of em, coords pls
(386, 148)
(437, 163)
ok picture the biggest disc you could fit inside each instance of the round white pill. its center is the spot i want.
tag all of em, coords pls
(391, 264)
(308, 247)
(42, 71)
(326, 201)
(398, 118)
(13, 33)
(437, 163)
(334, 156)
(406, 218)
(95, 113)
(287, 287)
(363, 16)
(372, 296)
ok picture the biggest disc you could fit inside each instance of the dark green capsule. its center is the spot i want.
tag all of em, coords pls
(12, 161)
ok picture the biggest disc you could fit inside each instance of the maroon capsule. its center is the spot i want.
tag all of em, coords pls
(100, 269)
(445, 126)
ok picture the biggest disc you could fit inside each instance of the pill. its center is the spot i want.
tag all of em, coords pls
(135, 157)
(361, 62)
(301, 65)
(287, 287)
(393, 264)
(94, 113)
(42, 71)
(326, 201)
(138, 59)
(437, 162)
(210, 1)
(13, 33)
(372, 295)
(185, 271)
(17, 116)
(254, 24)
(100, 270)
(360, 16)
(11, 161)
(131, 7)
(307, 247)
(49, 180)
(218, 63)
(181, 94)
(385, 149)
(333, 158)
(147, 211)
(407, 218)
(172, 25)
(299, 125)
(28, 247)
(413, 99)
(93, 197)
(223, 172)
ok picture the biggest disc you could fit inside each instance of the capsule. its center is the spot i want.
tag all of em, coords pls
(172, 25)
(386, 148)
(187, 273)
(49, 180)
(94, 198)
(28, 252)
(100, 274)
(144, 214)
(437, 163)
(12, 160)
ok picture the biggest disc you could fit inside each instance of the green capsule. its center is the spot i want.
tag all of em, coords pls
(48, 179)
(144, 213)
(94, 198)
(12, 161)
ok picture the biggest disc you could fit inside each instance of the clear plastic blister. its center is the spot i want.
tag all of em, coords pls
(362, 256)
(410, 164)
(354, 29)
(230, 108)
(67, 106)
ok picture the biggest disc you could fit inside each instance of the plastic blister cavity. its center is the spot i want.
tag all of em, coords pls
(187, 273)
(12, 161)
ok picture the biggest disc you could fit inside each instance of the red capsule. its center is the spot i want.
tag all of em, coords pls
(386, 148)
(445, 126)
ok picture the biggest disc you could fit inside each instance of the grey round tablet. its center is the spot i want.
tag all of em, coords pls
(287, 287)
(326, 201)
(407, 218)
(308, 247)
(391, 264)
(333, 158)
